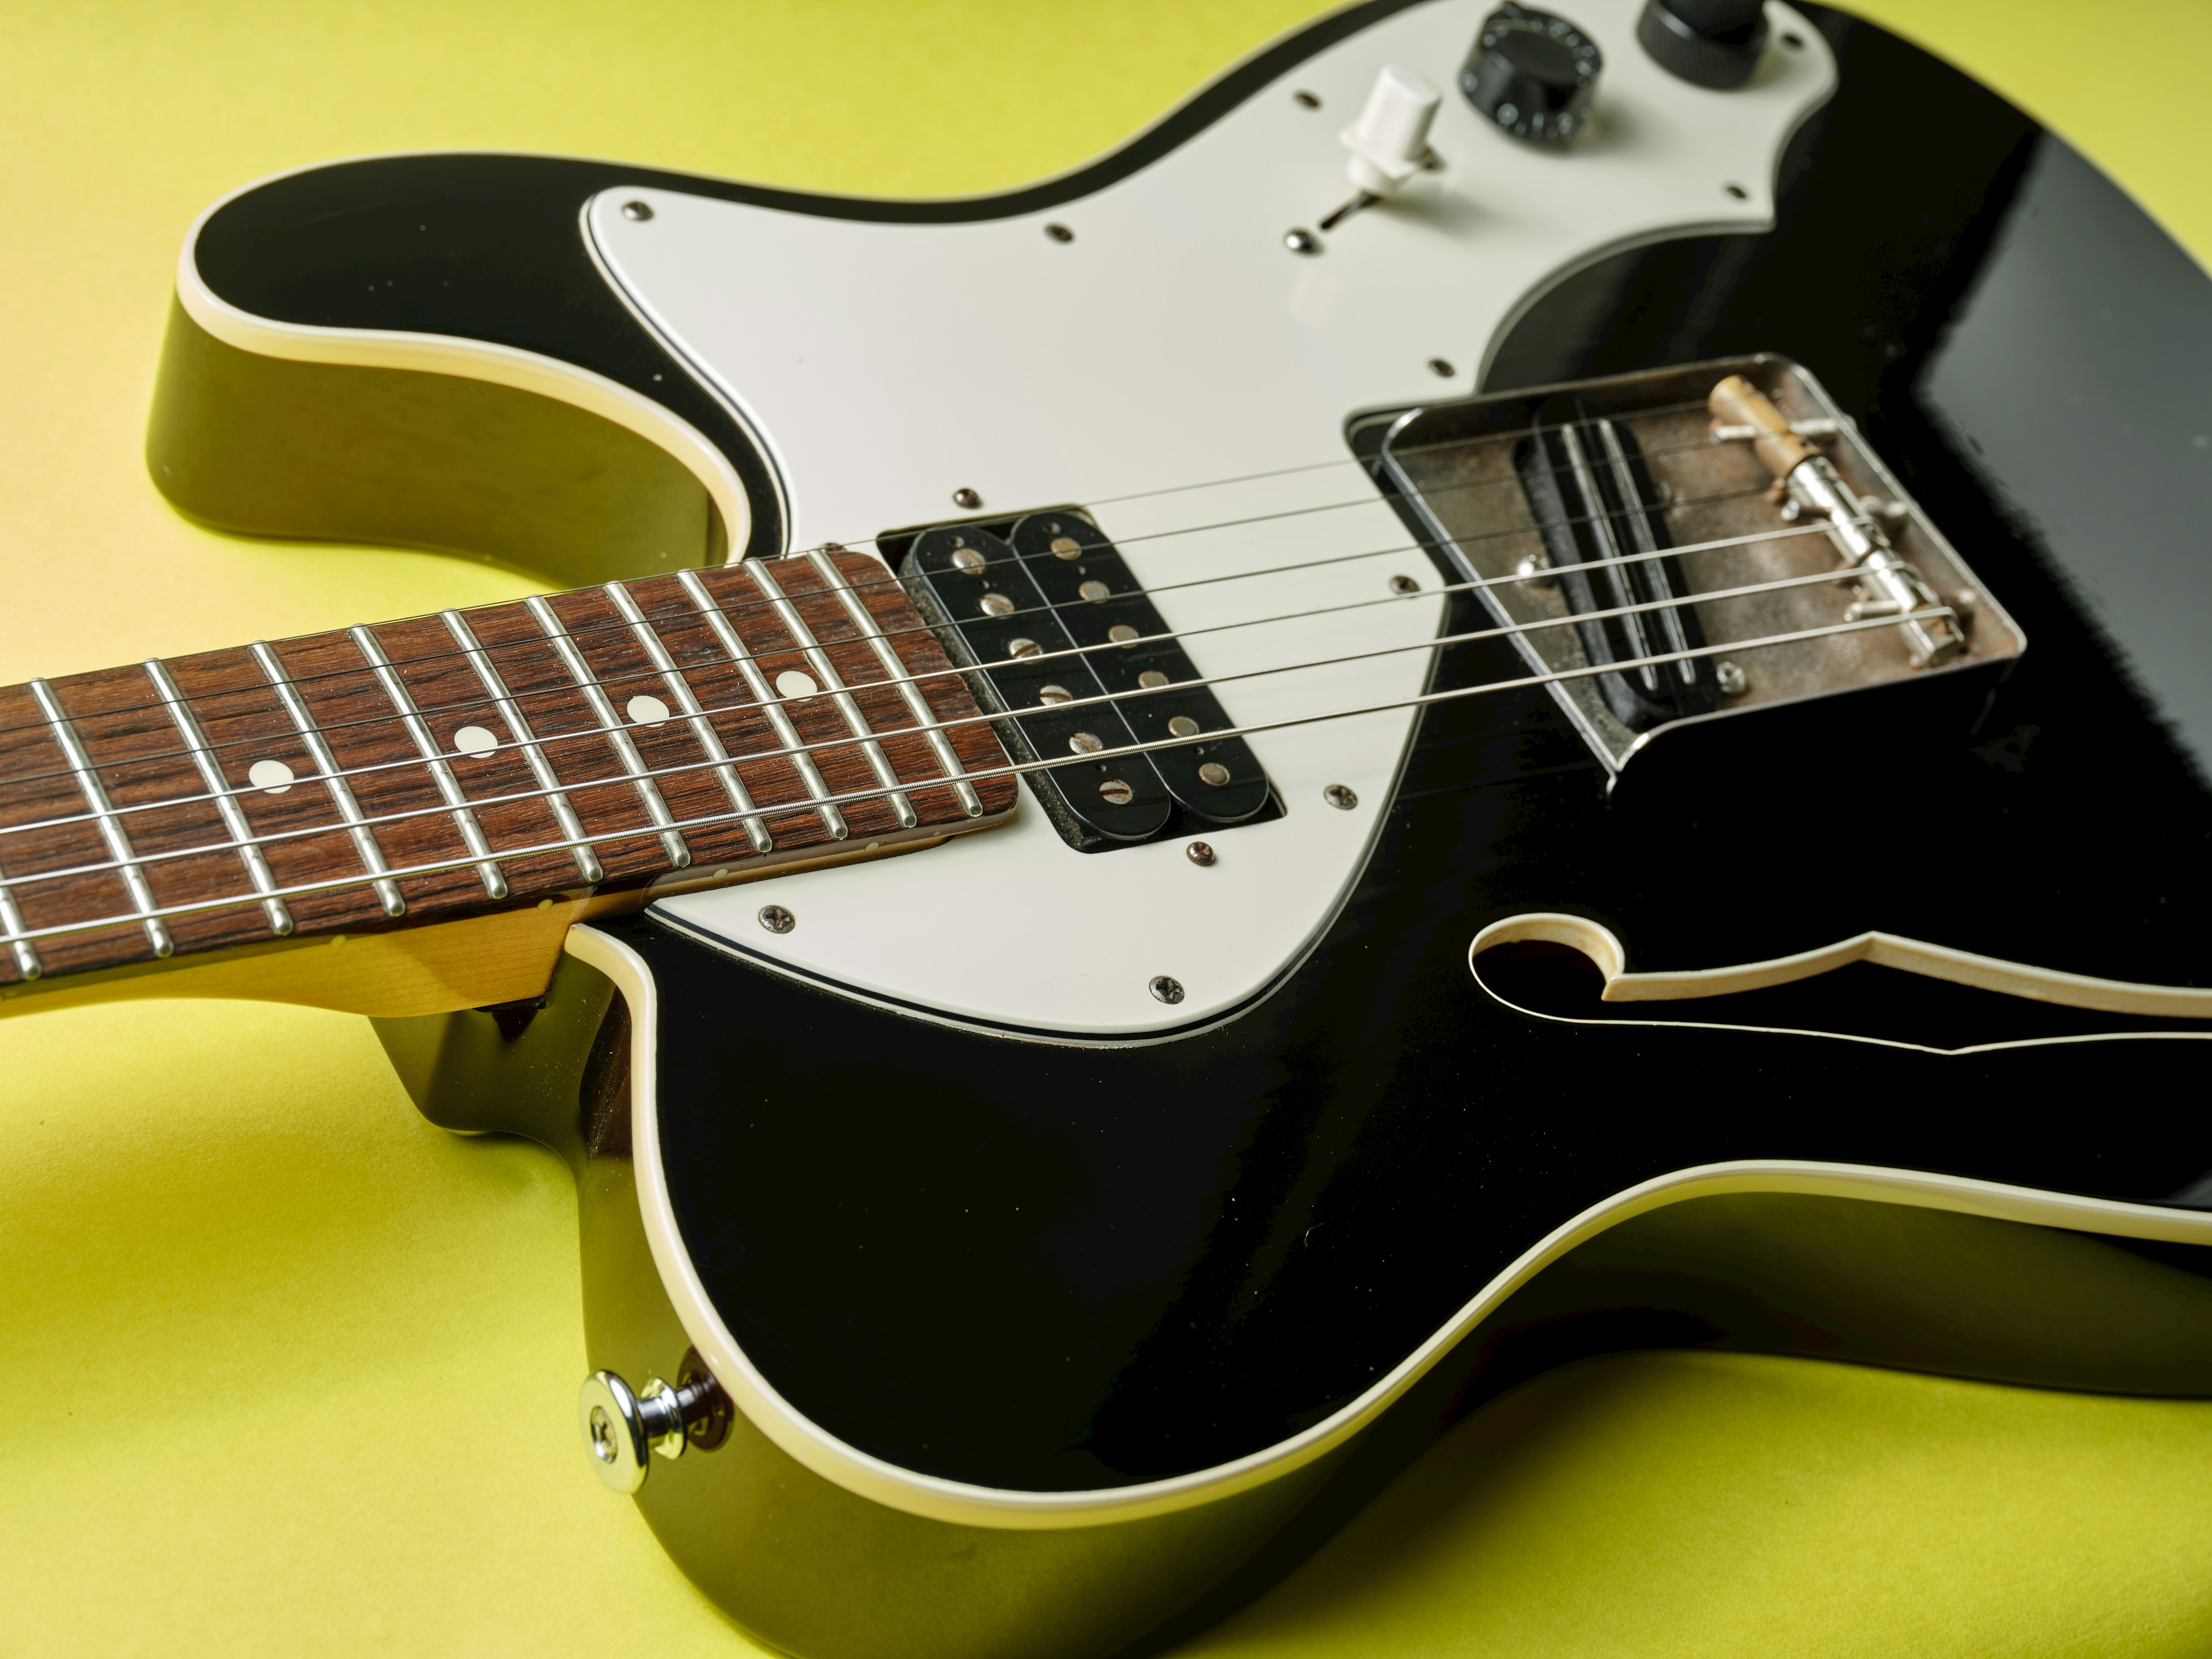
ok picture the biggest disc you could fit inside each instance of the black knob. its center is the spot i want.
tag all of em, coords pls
(1533, 73)
(1709, 43)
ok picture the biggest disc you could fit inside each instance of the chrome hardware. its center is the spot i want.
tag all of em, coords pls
(1095, 592)
(1046, 693)
(1152, 680)
(1201, 853)
(622, 1431)
(1065, 547)
(638, 211)
(1305, 99)
(1169, 991)
(967, 561)
(1182, 727)
(1058, 233)
(1442, 368)
(1213, 772)
(1536, 567)
(1402, 586)
(1301, 241)
(965, 497)
(1340, 796)
(1086, 743)
(776, 919)
(1819, 426)
(1730, 678)
(996, 605)
(1115, 792)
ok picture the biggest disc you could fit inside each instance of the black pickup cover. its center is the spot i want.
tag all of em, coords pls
(1056, 584)
(1594, 500)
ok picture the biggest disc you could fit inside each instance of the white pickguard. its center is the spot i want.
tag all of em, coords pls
(1175, 340)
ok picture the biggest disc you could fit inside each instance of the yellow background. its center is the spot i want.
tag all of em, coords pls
(284, 1370)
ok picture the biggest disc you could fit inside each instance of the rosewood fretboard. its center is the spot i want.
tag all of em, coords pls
(709, 723)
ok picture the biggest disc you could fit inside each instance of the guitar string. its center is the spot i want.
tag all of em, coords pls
(1026, 661)
(1436, 643)
(752, 607)
(1016, 768)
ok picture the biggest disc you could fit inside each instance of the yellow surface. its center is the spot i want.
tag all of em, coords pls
(287, 1370)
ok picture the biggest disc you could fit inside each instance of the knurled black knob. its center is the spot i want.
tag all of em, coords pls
(1708, 43)
(1532, 73)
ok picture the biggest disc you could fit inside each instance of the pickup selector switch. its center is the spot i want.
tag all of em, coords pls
(1708, 43)
(1532, 73)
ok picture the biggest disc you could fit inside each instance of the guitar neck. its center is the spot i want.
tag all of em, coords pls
(680, 729)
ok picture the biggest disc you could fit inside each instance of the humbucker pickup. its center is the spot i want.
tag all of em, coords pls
(1064, 639)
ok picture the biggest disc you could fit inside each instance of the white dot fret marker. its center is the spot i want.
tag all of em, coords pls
(269, 777)
(645, 711)
(792, 684)
(476, 740)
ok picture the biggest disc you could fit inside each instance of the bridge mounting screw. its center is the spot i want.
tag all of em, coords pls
(637, 211)
(1300, 240)
(1402, 586)
(1200, 852)
(966, 497)
(1341, 796)
(1731, 679)
(776, 919)
(1167, 990)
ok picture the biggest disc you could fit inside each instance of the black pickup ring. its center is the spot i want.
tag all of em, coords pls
(1051, 582)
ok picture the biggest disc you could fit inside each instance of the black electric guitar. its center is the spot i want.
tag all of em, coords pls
(1527, 684)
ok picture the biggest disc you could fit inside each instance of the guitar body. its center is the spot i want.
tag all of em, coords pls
(1057, 1316)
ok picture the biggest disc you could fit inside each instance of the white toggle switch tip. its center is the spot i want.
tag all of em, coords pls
(1389, 142)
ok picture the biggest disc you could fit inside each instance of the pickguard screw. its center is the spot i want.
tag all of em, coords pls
(1341, 796)
(776, 919)
(638, 211)
(1060, 233)
(1305, 99)
(1201, 853)
(1301, 241)
(966, 497)
(1732, 680)
(1442, 368)
(1167, 990)
(1402, 586)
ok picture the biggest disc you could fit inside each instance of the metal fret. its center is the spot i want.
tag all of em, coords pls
(910, 694)
(794, 623)
(557, 635)
(702, 727)
(111, 828)
(564, 814)
(27, 959)
(218, 788)
(364, 838)
(786, 734)
(449, 787)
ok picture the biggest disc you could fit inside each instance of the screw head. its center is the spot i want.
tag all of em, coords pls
(1167, 990)
(967, 561)
(1305, 99)
(1213, 774)
(637, 210)
(997, 605)
(1442, 368)
(1086, 743)
(967, 498)
(1301, 241)
(1201, 853)
(1060, 233)
(1402, 586)
(1115, 792)
(1182, 727)
(776, 919)
(1732, 680)
(1341, 796)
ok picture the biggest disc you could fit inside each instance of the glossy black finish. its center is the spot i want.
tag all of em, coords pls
(1051, 1268)
(1033, 1266)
